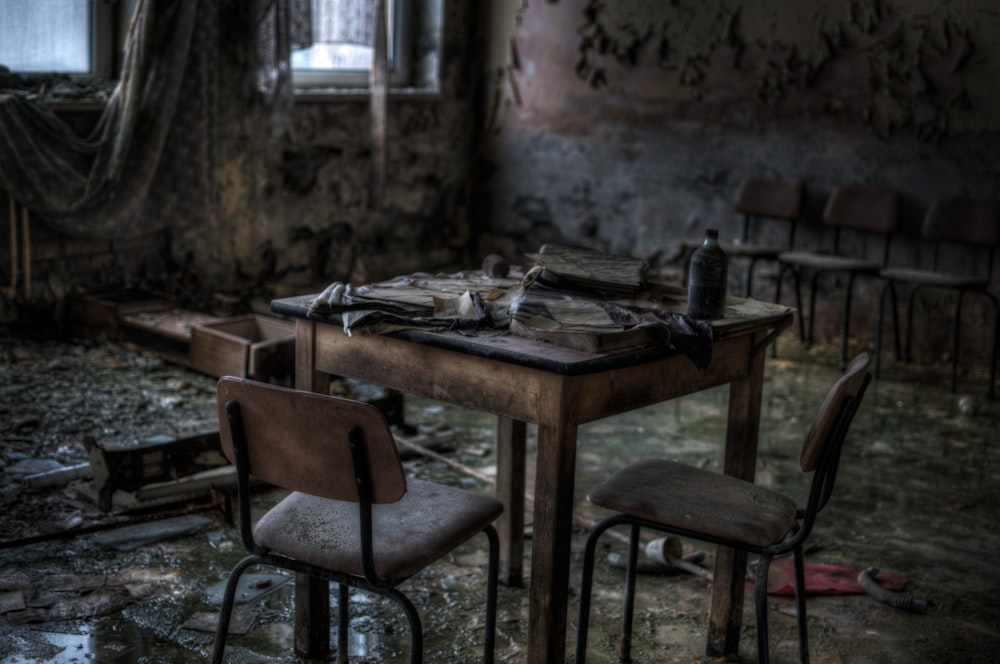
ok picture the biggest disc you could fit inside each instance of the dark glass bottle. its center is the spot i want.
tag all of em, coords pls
(707, 279)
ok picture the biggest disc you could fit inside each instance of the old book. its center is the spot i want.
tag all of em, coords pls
(589, 271)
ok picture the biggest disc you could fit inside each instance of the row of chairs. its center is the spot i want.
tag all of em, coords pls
(352, 516)
(872, 214)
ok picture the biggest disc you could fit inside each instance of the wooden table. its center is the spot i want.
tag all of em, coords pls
(556, 388)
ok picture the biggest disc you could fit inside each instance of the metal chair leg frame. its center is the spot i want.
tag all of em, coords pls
(813, 287)
(996, 339)
(955, 334)
(847, 321)
(798, 303)
(909, 323)
(956, 328)
(343, 621)
(586, 585)
(492, 582)
(412, 616)
(800, 604)
(226, 612)
(760, 607)
(887, 287)
(628, 611)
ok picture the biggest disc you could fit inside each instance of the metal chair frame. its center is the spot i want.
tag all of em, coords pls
(823, 481)
(840, 216)
(948, 222)
(370, 581)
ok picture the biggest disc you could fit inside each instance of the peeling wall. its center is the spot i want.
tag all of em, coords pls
(627, 126)
(293, 212)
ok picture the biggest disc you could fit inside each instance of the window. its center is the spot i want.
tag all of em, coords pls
(75, 37)
(341, 36)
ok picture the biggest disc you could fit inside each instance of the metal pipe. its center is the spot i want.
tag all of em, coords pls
(898, 600)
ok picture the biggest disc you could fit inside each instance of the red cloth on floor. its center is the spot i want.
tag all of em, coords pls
(824, 579)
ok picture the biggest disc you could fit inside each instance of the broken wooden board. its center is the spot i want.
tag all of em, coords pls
(129, 467)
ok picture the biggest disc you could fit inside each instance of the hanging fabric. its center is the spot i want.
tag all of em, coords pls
(148, 160)
(379, 86)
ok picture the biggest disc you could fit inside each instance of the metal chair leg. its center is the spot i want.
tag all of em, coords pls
(226, 612)
(343, 622)
(990, 391)
(800, 604)
(583, 622)
(880, 312)
(625, 646)
(813, 287)
(956, 329)
(847, 321)
(909, 323)
(760, 607)
(492, 581)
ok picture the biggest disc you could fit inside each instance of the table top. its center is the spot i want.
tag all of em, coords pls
(743, 317)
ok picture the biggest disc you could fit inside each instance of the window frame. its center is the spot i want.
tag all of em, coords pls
(103, 37)
(420, 38)
(400, 48)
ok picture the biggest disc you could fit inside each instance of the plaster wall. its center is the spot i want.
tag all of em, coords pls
(293, 211)
(628, 126)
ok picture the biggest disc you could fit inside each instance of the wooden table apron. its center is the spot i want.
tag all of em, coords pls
(557, 403)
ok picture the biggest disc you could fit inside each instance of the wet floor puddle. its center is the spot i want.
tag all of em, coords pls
(917, 495)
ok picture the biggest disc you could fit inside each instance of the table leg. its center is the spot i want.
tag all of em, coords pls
(555, 470)
(726, 612)
(312, 595)
(511, 437)
(312, 616)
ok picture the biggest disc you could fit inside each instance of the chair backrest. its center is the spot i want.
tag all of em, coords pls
(299, 440)
(863, 208)
(872, 210)
(830, 418)
(771, 198)
(823, 444)
(964, 221)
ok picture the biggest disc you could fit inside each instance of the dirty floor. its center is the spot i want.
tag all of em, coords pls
(917, 498)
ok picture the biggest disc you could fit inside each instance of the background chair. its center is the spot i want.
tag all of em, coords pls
(770, 208)
(868, 212)
(352, 516)
(969, 224)
(709, 506)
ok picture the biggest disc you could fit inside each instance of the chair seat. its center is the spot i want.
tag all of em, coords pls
(751, 250)
(936, 279)
(429, 521)
(682, 496)
(828, 262)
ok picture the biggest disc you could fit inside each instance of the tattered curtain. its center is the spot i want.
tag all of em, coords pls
(282, 25)
(148, 161)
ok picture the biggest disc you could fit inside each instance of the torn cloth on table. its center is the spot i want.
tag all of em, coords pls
(404, 303)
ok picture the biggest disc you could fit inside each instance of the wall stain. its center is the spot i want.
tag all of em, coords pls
(906, 71)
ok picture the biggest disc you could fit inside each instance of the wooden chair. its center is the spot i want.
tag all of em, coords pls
(352, 517)
(770, 208)
(704, 505)
(974, 227)
(868, 212)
